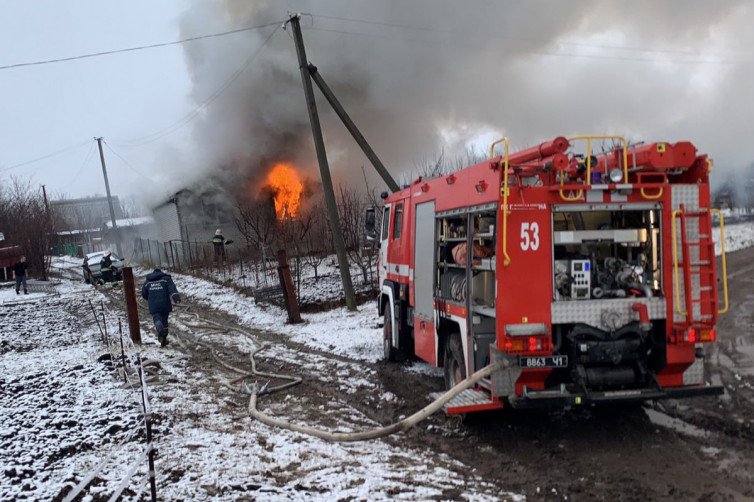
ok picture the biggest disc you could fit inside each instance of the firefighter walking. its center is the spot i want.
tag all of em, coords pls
(159, 290)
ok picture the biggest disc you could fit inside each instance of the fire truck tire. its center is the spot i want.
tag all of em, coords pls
(455, 369)
(390, 352)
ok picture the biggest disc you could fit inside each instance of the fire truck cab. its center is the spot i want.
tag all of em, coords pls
(587, 277)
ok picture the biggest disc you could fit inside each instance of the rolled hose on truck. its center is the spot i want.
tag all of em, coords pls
(254, 391)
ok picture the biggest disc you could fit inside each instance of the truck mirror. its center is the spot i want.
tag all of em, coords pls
(369, 225)
(2, 237)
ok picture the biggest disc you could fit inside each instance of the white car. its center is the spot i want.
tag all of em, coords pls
(92, 267)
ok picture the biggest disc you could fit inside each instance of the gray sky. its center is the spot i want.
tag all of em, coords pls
(431, 75)
(121, 97)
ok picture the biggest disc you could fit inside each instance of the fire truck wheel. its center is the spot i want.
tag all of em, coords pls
(455, 369)
(390, 352)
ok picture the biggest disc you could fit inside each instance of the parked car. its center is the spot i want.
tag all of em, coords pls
(91, 267)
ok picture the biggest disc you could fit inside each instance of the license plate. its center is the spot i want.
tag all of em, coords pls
(543, 362)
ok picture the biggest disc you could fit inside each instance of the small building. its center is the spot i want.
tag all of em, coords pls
(78, 241)
(83, 213)
(185, 223)
(129, 229)
(192, 215)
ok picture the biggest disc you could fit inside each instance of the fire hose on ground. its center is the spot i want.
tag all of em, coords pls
(255, 390)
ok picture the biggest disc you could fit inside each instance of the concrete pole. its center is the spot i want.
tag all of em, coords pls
(109, 198)
(324, 168)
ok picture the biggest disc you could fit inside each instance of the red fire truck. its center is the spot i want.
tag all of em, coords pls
(587, 277)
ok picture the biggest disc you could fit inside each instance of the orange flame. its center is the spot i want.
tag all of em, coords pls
(287, 187)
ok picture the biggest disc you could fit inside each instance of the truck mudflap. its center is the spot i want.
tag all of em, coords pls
(562, 398)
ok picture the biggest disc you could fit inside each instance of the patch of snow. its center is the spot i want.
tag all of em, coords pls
(422, 368)
(737, 236)
(338, 331)
(710, 451)
(676, 424)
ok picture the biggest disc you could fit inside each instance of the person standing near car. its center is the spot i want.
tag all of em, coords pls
(19, 270)
(106, 267)
(159, 290)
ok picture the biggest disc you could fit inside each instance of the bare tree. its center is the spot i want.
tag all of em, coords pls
(443, 164)
(256, 222)
(351, 206)
(317, 244)
(25, 221)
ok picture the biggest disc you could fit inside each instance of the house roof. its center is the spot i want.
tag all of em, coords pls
(130, 222)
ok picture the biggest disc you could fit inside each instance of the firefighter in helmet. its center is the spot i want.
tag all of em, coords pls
(106, 267)
(218, 243)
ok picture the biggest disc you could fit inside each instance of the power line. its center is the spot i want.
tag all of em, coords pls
(127, 163)
(140, 47)
(537, 53)
(81, 169)
(487, 36)
(49, 155)
(194, 113)
(176, 125)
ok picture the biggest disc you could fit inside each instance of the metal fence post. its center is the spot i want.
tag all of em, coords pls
(122, 352)
(148, 423)
(104, 326)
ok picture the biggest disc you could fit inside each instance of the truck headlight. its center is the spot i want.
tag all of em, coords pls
(616, 175)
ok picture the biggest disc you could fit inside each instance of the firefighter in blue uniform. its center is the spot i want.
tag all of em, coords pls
(158, 291)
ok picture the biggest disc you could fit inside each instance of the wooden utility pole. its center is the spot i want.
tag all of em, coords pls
(109, 198)
(47, 204)
(48, 234)
(286, 282)
(132, 311)
(355, 133)
(324, 168)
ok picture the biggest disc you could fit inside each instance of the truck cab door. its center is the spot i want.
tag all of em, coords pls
(384, 234)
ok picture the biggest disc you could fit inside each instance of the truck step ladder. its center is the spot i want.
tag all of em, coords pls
(699, 269)
(469, 400)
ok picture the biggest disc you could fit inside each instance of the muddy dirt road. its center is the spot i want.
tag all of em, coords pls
(696, 449)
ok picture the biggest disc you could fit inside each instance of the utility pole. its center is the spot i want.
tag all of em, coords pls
(357, 136)
(47, 204)
(48, 232)
(132, 310)
(109, 198)
(324, 168)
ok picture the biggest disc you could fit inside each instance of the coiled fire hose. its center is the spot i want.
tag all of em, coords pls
(256, 390)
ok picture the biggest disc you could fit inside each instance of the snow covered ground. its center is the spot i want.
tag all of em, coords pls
(64, 412)
(351, 334)
(323, 288)
(60, 409)
(737, 236)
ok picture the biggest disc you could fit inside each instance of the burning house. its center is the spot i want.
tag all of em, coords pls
(193, 215)
(184, 224)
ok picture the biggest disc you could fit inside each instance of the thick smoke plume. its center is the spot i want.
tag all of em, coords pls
(424, 76)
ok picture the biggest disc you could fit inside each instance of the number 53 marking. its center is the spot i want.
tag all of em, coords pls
(530, 236)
